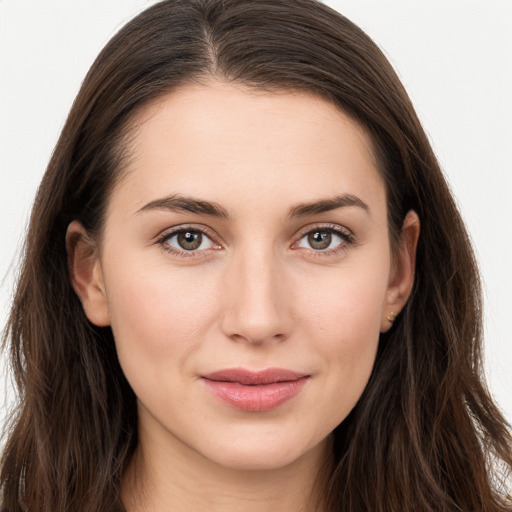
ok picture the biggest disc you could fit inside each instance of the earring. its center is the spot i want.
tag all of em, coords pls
(391, 317)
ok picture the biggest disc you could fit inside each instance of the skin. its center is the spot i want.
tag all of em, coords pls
(256, 294)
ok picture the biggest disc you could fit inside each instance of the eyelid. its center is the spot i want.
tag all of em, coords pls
(341, 231)
(334, 228)
(168, 233)
(346, 234)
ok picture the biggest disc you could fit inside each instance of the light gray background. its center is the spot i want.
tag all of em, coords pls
(454, 57)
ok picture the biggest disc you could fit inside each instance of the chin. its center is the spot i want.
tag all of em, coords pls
(264, 454)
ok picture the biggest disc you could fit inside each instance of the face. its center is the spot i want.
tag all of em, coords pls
(246, 271)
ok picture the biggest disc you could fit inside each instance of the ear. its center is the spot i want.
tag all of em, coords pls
(86, 274)
(402, 270)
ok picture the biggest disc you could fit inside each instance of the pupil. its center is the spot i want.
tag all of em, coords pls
(319, 240)
(189, 240)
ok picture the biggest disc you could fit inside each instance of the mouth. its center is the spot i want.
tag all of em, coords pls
(255, 391)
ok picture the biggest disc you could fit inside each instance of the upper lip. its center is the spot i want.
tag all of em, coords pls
(254, 377)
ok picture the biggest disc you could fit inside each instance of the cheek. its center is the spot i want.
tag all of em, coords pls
(344, 318)
(349, 338)
(346, 304)
(158, 317)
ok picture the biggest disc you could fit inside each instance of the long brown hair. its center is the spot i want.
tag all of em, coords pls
(425, 435)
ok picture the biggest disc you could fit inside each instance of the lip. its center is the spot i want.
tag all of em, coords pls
(255, 391)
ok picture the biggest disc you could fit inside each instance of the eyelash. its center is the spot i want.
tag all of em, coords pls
(165, 237)
(346, 236)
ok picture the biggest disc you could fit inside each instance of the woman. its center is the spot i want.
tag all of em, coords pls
(246, 284)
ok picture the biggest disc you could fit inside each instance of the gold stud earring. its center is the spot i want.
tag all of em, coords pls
(391, 317)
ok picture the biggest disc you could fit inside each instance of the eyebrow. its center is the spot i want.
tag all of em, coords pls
(180, 203)
(327, 205)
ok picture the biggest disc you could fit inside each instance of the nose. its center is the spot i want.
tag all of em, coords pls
(256, 300)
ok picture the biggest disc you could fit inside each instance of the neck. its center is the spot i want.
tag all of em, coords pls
(165, 475)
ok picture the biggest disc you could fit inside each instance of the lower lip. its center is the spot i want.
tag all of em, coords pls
(258, 398)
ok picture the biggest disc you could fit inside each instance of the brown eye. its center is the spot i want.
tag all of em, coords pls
(189, 240)
(319, 240)
(326, 239)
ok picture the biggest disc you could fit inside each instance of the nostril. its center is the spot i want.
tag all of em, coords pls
(257, 339)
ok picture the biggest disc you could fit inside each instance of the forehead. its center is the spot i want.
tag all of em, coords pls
(223, 141)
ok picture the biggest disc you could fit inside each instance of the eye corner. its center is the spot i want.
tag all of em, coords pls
(200, 242)
(328, 232)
